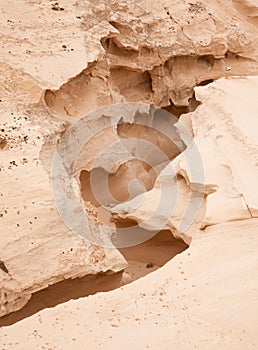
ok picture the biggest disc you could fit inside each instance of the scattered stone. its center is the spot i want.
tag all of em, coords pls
(56, 7)
(3, 142)
(3, 267)
(149, 265)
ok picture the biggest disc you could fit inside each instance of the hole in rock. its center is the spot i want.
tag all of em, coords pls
(133, 85)
(118, 183)
(142, 260)
(177, 111)
(150, 149)
(206, 60)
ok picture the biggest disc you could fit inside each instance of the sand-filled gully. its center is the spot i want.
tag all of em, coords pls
(142, 260)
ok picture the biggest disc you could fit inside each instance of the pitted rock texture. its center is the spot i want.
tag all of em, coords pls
(156, 53)
(58, 65)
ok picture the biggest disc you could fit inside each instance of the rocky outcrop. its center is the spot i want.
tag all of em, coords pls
(36, 248)
(59, 62)
(225, 136)
(229, 135)
(156, 53)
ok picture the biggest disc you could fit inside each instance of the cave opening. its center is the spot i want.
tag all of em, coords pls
(161, 246)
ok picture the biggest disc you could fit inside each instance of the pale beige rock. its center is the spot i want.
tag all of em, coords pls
(227, 140)
(37, 248)
(33, 36)
(58, 65)
(156, 52)
(225, 133)
(204, 298)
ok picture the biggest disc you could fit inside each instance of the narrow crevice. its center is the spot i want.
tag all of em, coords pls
(142, 259)
(205, 82)
(248, 208)
(62, 292)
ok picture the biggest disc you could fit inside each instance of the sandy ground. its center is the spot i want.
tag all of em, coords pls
(142, 260)
(204, 298)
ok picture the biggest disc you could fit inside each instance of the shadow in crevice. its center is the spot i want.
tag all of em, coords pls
(62, 292)
(177, 111)
(152, 254)
(142, 260)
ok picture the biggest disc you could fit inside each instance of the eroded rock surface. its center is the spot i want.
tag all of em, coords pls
(57, 65)
(156, 53)
(225, 132)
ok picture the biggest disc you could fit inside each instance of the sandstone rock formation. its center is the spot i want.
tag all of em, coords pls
(224, 130)
(156, 53)
(204, 298)
(59, 63)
